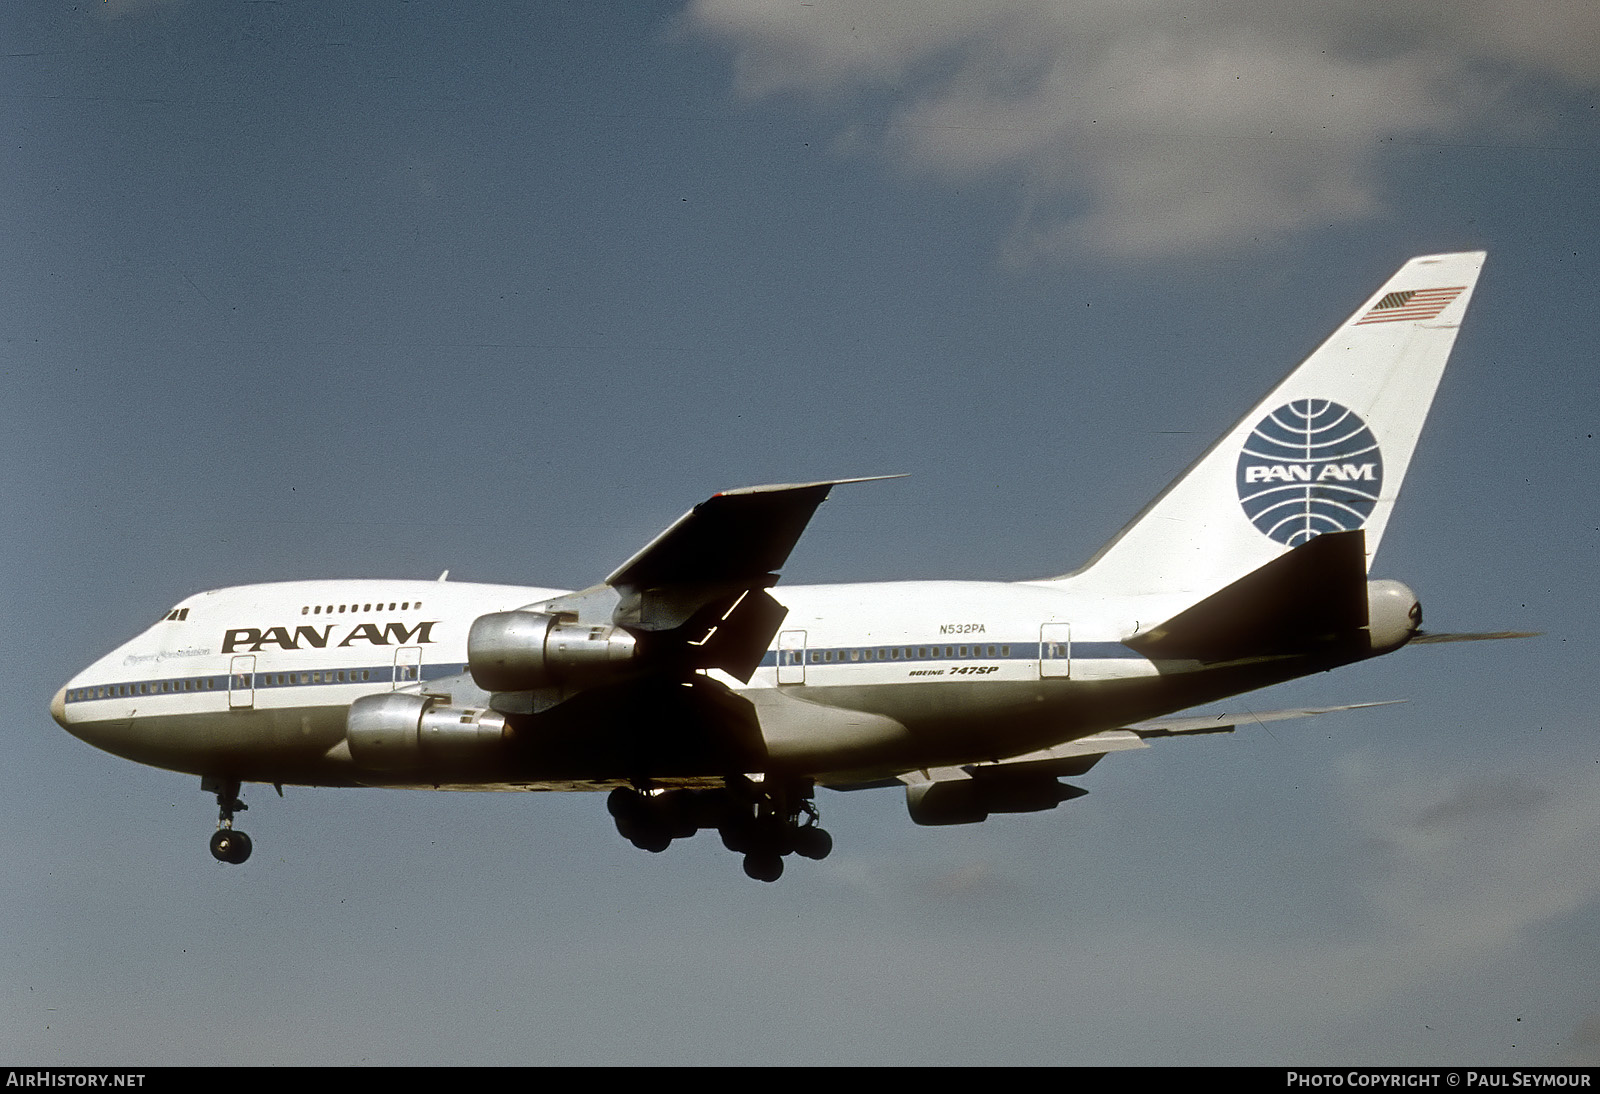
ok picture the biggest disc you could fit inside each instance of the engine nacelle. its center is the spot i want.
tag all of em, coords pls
(968, 801)
(399, 731)
(520, 651)
(1393, 615)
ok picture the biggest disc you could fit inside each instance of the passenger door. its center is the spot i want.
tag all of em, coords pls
(792, 657)
(241, 682)
(1055, 650)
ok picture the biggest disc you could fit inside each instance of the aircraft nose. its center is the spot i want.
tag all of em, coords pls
(58, 708)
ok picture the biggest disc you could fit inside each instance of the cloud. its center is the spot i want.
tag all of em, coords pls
(1136, 129)
(1453, 876)
(1506, 794)
(1470, 864)
(1474, 875)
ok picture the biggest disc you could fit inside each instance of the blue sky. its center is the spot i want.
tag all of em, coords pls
(298, 290)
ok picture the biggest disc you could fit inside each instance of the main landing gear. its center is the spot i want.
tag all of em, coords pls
(763, 821)
(227, 843)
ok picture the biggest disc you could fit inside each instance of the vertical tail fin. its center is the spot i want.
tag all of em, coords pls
(1325, 451)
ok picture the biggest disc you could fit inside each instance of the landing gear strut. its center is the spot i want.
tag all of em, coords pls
(763, 820)
(227, 843)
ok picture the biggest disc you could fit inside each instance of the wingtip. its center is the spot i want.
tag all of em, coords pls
(775, 487)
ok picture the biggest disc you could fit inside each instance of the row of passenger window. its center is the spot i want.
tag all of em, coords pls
(318, 609)
(284, 679)
(149, 687)
(238, 680)
(907, 653)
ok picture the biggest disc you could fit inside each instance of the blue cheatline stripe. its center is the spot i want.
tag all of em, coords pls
(1003, 651)
(217, 683)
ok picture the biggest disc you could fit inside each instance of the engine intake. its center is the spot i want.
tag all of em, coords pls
(519, 651)
(399, 731)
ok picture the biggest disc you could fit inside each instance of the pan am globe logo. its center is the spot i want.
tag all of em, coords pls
(1309, 467)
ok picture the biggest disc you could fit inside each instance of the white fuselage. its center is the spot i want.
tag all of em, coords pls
(702, 695)
(255, 682)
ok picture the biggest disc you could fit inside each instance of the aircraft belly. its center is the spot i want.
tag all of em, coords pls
(962, 722)
(948, 723)
(286, 745)
(805, 735)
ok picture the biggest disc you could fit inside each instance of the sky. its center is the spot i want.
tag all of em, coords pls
(296, 290)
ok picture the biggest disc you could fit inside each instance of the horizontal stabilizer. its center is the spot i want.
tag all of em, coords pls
(1315, 594)
(1481, 636)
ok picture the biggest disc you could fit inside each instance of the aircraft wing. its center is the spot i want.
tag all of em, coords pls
(1226, 723)
(700, 586)
(737, 535)
(695, 597)
(706, 576)
(1077, 756)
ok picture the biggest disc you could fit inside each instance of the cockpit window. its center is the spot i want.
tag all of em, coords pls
(175, 615)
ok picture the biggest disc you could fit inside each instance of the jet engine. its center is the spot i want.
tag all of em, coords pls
(520, 651)
(397, 731)
(968, 801)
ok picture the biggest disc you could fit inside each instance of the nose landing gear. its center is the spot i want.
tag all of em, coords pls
(227, 843)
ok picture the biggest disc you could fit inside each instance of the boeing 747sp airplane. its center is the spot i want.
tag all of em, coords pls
(700, 694)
